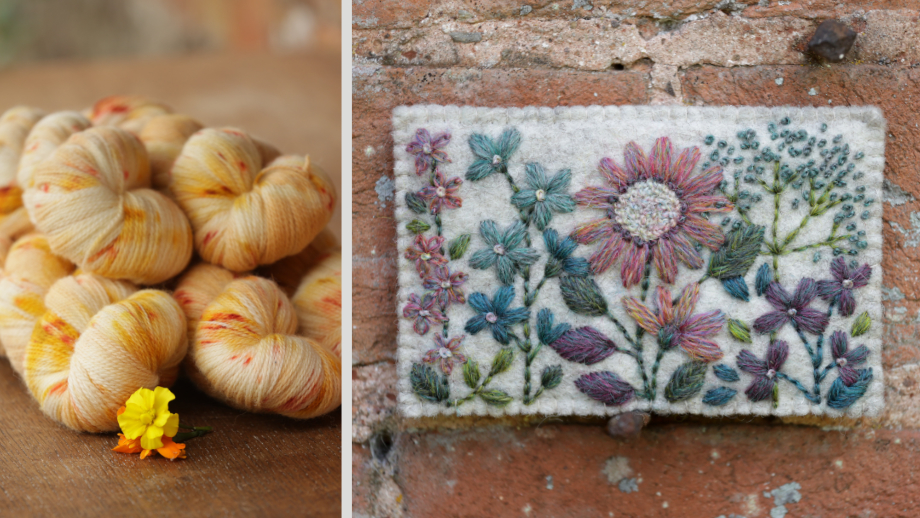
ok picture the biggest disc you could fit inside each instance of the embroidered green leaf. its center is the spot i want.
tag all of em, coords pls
(427, 384)
(495, 397)
(416, 203)
(417, 226)
(552, 377)
(582, 295)
(502, 361)
(739, 330)
(686, 382)
(861, 325)
(458, 246)
(737, 254)
(471, 374)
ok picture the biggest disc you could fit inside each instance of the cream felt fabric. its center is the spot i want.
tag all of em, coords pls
(577, 138)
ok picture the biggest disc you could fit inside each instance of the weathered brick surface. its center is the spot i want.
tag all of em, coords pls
(679, 470)
(632, 52)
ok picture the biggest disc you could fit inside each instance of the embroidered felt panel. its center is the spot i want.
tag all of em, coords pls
(675, 259)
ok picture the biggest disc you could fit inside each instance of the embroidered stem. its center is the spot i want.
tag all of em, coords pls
(637, 348)
(437, 217)
(811, 397)
(655, 367)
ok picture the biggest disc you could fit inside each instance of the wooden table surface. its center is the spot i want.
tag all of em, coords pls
(253, 464)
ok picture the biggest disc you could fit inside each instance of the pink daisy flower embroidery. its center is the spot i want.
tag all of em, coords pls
(426, 253)
(654, 212)
(424, 311)
(427, 150)
(445, 353)
(446, 286)
(675, 325)
(442, 193)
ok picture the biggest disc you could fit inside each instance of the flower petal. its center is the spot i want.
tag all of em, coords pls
(685, 251)
(536, 176)
(475, 324)
(480, 302)
(702, 184)
(151, 438)
(643, 316)
(751, 364)
(514, 235)
(839, 269)
(771, 321)
(811, 320)
(839, 344)
(483, 259)
(595, 197)
(683, 166)
(704, 324)
(805, 292)
(479, 169)
(440, 140)
(714, 204)
(615, 176)
(421, 325)
(541, 215)
(660, 160)
(508, 143)
(171, 450)
(559, 183)
(708, 234)
(593, 231)
(860, 276)
(686, 301)
(505, 268)
(604, 257)
(636, 162)
(701, 349)
(502, 300)
(665, 260)
(482, 147)
(162, 396)
(760, 389)
(633, 266)
(777, 296)
(846, 302)
(857, 356)
(665, 305)
(777, 352)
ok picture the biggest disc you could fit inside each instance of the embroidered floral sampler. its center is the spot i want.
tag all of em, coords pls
(595, 260)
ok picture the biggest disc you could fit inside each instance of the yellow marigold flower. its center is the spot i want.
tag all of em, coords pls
(147, 416)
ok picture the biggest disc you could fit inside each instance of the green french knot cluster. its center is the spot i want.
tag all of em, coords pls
(822, 172)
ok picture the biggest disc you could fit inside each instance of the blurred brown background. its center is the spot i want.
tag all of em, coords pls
(269, 67)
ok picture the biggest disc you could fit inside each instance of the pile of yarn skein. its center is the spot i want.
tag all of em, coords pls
(136, 244)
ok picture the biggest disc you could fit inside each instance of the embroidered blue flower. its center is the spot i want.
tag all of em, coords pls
(505, 251)
(495, 314)
(492, 156)
(560, 256)
(545, 195)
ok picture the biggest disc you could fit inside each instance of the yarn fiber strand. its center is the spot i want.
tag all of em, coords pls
(246, 207)
(98, 342)
(91, 200)
(15, 124)
(318, 303)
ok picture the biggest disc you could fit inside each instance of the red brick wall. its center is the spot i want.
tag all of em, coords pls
(695, 52)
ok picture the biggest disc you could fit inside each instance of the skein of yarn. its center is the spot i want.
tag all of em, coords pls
(97, 343)
(318, 303)
(91, 199)
(244, 349)
(128, 112)
(13, 226)
(246, 207)
(29, 271)
(15, 124)
(46, 136)
(164, 136)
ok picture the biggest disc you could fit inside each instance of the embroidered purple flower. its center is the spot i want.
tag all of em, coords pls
(424, 311)
(441, 193)
(445, 353)
(545, 195)
(676, 326)
(765, 371)
(492, 156)
(654, 211)
(792, 308)
(427, 151)
(845, 359)
(505, 251)
(495, 314)
(846, 280)
(426, 253)
(446, 285)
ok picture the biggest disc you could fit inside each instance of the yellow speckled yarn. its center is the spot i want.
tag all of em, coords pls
(14, 128)
(97, 343)
(29, 271)
(245, 350)
(318, 302)
(246, 211)
(91, 200)
(46, 136)
(290, 270)
(128, 112)
(164, 137)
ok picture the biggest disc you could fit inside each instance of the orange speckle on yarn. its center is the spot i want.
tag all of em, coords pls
(58, 387)
(248, 360)
(125, 173)
(44, 187)
(332, 301)
(235, 356)
(208, 237)
(242, 165)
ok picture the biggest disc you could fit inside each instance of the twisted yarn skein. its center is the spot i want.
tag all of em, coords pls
(245, 350)
(164, 136)
(128, 112)
(29, 271)
(98, 342)
(13, 226)
(90, 198)
(318, 303)
(46, 136)
(15, 124)
(247, 208)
